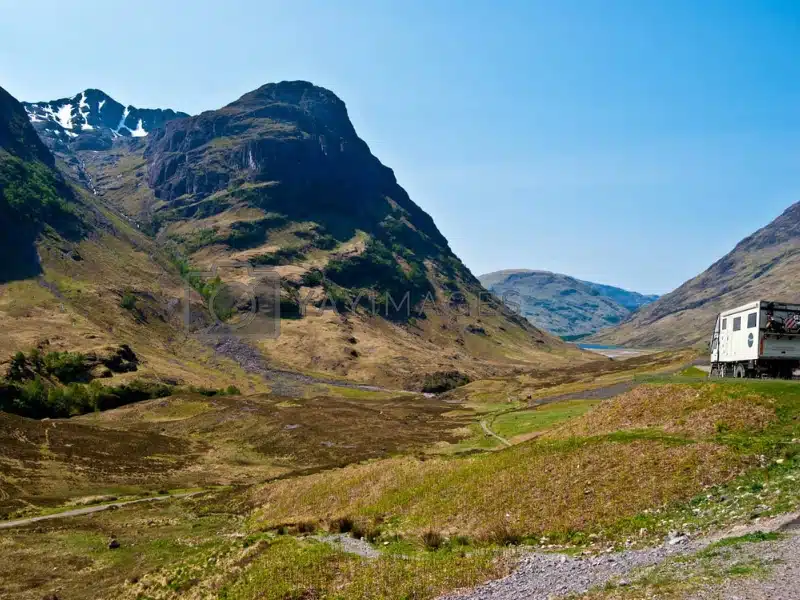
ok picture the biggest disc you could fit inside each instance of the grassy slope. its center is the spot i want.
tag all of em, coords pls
(76, 305)
(698, 435)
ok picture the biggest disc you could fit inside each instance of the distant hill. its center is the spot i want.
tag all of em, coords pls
(765, 265)
(561, 304)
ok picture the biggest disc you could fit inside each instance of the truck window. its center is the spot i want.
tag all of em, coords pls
(737, 323)
(751, 320)
(724, 323)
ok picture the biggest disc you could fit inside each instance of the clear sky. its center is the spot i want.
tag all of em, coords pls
(624, 142)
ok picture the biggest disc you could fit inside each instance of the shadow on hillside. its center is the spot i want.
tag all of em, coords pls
(18, 256)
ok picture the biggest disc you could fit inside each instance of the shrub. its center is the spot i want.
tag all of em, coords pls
(358, 531)
(502, 535)
(66, 366)
(443, 381)
(37, 399)
(433, 540)
(312, 278)
(372, 534)
(18, 368)
(306, 527)
(128, 301)
(342, 525)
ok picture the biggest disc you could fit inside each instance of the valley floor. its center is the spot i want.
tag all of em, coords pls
(615, 480)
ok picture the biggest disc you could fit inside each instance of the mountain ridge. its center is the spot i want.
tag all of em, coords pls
(91, 120)
(561, 304)
(764, 265)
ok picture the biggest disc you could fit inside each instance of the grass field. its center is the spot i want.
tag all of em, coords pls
(190, 440)
(517, 426)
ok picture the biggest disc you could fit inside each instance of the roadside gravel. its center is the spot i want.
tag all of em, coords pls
(545, 576)
(782, 558)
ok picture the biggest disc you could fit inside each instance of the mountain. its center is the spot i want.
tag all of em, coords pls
(34, 197)
(75, 277)
(561, 304)
(92, 119)
(280, 180)
(765, 265)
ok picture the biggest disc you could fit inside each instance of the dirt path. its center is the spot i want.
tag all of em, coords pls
(491, 433)
(545, 576)
(88, 510)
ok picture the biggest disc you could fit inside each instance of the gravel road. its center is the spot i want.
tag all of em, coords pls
(545, 576)
(88, 510)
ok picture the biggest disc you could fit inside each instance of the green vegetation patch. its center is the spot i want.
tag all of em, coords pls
(545, 417)
(377, 270)
(30, 192)
(291, 568)
(443, 381)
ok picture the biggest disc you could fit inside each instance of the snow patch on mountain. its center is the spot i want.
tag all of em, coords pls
(95, 118)
(139, 131)
(122, 120)
(83, 108)
(64, 116)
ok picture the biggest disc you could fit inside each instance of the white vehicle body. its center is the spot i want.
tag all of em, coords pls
(761, 338)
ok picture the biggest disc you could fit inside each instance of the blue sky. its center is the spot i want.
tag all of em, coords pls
(624, 142)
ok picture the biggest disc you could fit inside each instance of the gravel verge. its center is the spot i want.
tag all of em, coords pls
(545, 576)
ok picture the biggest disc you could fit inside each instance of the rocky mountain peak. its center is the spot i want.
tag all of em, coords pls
(92, 119)
(295, 137)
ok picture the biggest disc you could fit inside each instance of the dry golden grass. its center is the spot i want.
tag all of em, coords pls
(678, 409)
(530, 489)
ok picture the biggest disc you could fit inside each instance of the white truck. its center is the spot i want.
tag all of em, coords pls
(760, 339)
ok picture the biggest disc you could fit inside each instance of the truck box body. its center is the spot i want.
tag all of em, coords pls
(761, 336)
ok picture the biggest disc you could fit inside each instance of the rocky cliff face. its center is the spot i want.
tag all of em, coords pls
(92, 120)
(763, 266)
(563, 305)
(297, 138)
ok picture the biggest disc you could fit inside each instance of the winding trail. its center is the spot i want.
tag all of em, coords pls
(491, 433)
